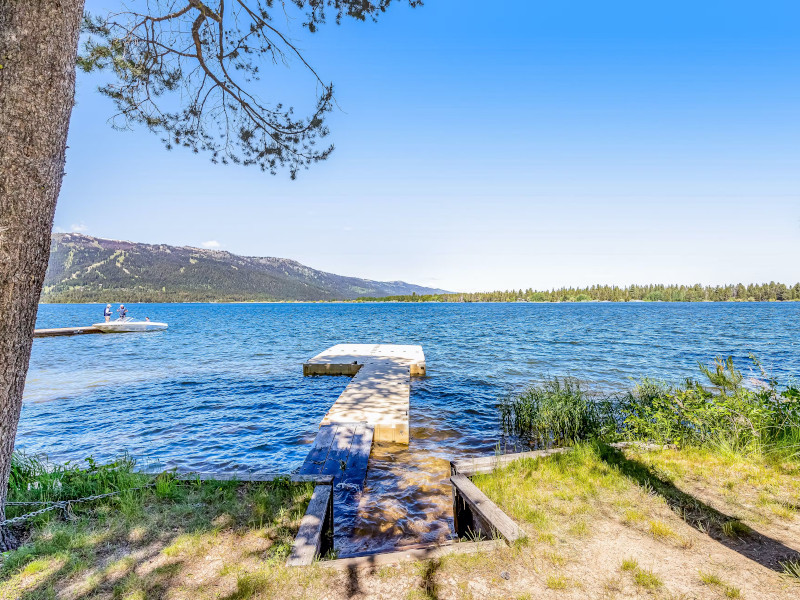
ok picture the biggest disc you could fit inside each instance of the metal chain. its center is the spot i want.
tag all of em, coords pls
(62, 504)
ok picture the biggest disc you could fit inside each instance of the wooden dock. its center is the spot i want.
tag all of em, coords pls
(373, 407)
(342, 451)
(379, 393)
(59, 331)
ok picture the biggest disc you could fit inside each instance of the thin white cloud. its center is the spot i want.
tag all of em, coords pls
(74, 228)
(211, 244)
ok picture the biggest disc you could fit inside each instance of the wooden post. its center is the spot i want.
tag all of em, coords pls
(487, 518)
(315, 536)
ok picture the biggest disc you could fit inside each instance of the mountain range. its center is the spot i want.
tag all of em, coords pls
(83, 268)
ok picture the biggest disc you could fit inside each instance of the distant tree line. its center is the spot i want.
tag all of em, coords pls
(777, 292)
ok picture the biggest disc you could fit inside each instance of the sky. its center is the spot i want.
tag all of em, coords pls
(481, 146)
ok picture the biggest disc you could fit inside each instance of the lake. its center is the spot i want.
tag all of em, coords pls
(222, 389)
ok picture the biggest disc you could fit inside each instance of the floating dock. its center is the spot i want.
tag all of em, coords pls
(373, 407)
(378, 395)
(58, 331)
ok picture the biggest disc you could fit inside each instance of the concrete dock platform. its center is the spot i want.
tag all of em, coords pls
(379, 393)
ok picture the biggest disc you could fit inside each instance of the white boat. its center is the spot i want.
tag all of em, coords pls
(128, 325)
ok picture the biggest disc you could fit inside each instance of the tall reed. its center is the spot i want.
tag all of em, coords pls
(555, 412)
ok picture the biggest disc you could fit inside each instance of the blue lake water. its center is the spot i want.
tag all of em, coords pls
(222, 389)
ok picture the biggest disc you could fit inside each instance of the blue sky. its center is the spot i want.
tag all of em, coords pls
(538, 144)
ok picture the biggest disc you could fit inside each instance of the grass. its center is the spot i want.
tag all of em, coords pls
(660, 530)
(735, 528)
(230, 540)
(630, 564)
(556, 412)
(673, 497)
(721, 410)
(643, 578)
(713, 580)
(556, 582)
(647, 579)
(144, 541)
(791, 567)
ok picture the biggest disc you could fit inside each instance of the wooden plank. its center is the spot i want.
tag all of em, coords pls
(486, 509)
(246, 476)
(329, 369)
(380, 390)
(319, 452)
(380, 396)
(339, 451)
(356, 470)
(487, 464)
(310, 537)
(411, 554)
(339, 359)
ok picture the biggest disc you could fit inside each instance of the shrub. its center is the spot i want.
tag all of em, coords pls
(724, 415)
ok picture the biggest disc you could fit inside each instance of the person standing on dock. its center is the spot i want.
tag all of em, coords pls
(107, 313)
(123, 312)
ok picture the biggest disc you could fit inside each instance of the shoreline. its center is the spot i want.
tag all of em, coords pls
(378, 301)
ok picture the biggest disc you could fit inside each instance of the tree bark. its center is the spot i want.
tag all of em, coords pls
(38, 48)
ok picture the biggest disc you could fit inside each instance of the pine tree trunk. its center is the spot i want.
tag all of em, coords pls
(38, 47)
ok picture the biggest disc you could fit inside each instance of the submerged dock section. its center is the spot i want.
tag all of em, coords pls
(378, 396)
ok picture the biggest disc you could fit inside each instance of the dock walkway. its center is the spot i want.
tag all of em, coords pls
(379, 393)
(373, 407)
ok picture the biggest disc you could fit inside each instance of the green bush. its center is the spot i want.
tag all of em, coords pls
(725, 413)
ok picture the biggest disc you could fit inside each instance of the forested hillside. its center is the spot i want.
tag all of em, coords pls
(87, 269)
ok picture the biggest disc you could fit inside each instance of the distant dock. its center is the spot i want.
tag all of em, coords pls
(59, 331)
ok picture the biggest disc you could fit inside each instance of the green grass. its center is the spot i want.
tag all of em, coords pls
(660, 530)
(647, 579)
(630, 564)
(791, 567)
(713, 580)
(654, 493)
(735, 529)
(719, 410)
(177, 524)
(556, 582)
(710, 578)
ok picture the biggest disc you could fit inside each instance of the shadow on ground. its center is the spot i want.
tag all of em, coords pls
(725, 529)
(194, 545)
